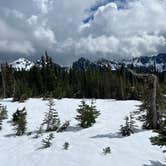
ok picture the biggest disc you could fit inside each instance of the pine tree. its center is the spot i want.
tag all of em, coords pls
(132, 125)
(153, 100)
(47, 141)
(160, 140)
(19, 121)
(107, 150)
(87, 114)
(3, 114)
(147, 106)
(51, 119)
(66, 146)
(129, 127)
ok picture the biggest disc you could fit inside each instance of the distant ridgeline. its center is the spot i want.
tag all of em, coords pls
(84, 79)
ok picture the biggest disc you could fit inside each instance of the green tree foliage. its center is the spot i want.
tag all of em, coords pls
(3, 114)
(129, 127)
(160, 140)
(66, 146)
(146, 105)
(47, 142)
(107, 150)
(87, 114)
(49, 79)
(19, 121)
(51, 120)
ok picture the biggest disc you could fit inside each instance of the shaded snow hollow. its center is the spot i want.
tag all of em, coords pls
(86, 145)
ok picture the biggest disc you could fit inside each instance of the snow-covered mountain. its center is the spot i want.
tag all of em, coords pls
(144, 63)
(84, 64)
(157, 62)
(108, 63)
(22, 64)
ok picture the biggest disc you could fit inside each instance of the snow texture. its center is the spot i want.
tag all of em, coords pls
(22, 64)
(86, 145)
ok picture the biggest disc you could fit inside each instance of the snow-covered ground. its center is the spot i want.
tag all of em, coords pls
(86, 145)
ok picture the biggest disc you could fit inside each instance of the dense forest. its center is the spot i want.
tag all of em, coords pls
(49, 79)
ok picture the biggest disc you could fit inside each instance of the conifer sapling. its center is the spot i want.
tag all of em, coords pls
(66, 146)
(51, 120)
(87, 114)
(47, 141)
(106, 150)
(19, 121)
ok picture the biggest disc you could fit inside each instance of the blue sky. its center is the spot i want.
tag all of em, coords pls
(111, 29)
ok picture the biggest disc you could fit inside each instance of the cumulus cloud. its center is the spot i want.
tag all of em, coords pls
(139, 28)
(16, 47)
(113, 29)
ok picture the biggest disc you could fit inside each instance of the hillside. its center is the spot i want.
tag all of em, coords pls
(86, 145)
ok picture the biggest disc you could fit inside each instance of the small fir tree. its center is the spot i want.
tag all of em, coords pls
(132, 125)
(66, 146)
(47, 142)
(3, 112)
(3, 115)
(51, 119)
(107, 150)
(160, 140)
(129, 127)
(19, 121)
(87, 114)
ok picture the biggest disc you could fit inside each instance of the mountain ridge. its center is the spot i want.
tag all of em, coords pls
(157, 62)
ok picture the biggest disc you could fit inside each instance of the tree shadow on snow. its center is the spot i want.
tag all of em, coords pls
(115, 135)
(155, 163)
(73, 129)
(25, 134)
(10, 135)
(110, 135)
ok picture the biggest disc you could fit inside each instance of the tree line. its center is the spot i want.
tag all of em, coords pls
(48, 79)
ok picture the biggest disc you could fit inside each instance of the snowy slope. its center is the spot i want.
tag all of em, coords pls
(22, 64)
(85, 144)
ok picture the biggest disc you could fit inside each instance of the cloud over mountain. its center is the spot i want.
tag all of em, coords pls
(89, 28)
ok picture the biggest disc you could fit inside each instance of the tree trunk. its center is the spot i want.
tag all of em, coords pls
(153, 109)
(3, 82)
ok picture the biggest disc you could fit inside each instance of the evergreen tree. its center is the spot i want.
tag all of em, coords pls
(51, 120)
(106, 150)
(160, 140)
(19, 121)
(3, 115)
(47, 141)
(3, 112)
(87, 114)
(147, 106)
(66, 146)
(129, 127)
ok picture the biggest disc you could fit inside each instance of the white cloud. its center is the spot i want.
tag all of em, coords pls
(140, 28)
(57, 25)
(45, 34)
(32, 20)
(16, 47)
(44, 5)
